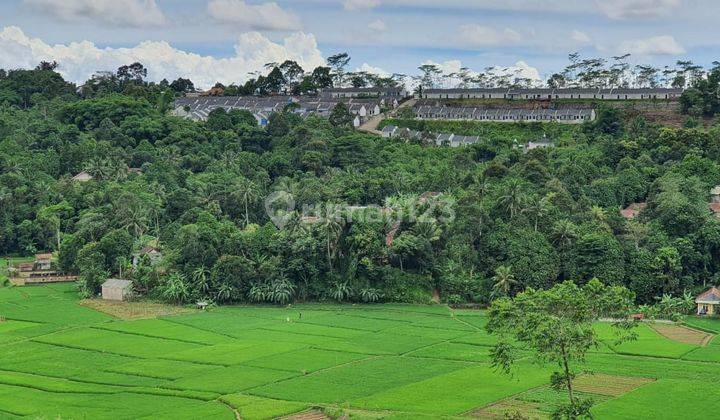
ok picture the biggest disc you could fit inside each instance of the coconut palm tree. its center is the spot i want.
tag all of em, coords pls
(504, 281)
(514, 198)
(248, 191)
(538, 209)
(332, 228)
(564, 233)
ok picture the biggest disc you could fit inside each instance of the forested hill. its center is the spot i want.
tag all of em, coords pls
(198, 191)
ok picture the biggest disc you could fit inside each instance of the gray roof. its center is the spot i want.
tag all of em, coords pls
(117, 283)
(467, 90)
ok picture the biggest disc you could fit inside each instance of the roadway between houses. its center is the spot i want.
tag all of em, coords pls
(371, 125)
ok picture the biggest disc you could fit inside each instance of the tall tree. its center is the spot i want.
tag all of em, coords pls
(557, 324)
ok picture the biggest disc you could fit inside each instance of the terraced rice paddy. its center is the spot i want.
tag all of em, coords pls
(60, 359)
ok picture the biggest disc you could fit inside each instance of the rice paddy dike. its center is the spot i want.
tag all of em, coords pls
(61, 359)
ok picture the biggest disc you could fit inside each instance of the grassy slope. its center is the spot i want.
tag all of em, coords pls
(63, 359)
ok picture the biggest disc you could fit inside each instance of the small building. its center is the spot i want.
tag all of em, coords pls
(117, 289)
(152, 253)
(26, 267)
(42, 262)
(540, 144)
(83, 176)
(389, 131)
(708, 302)
(632, 210)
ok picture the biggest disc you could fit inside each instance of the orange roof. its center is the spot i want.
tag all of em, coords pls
(632, 210)
(710, 295)
(714, 207)
(39, 257)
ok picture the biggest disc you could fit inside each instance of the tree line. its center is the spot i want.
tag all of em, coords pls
(198, 192)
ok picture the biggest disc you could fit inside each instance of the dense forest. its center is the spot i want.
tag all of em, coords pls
(469, 223)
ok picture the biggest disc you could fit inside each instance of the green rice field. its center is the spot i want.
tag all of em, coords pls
(62, 360)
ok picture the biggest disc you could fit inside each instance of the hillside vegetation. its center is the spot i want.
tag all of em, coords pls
(201, 192)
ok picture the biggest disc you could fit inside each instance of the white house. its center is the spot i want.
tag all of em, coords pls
(389, 131)
(82, 177)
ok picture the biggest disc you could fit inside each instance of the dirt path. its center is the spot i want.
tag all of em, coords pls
(371, 125)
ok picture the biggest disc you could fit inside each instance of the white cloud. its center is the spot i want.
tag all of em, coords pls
(656, 45)
(367, 68)
(579, 37)
(113, 12)
(378, 25)
(79, 60)
(360, 4)
(636, 9)
(264, 16)
(476, 35)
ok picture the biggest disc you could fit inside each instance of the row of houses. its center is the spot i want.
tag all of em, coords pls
(365, 92)
(198, 108)
(548, 94)
(454, 140)
(443, 139)
(563, 115)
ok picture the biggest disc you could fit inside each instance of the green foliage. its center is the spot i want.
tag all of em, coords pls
(557, 325)
(199, 191)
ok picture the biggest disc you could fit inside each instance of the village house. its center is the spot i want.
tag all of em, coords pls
(564, 115)
(153, 254)
(388, 131)
(632, 210)
(708, 302)
(43, 262)
(117, 289)
(543, 143)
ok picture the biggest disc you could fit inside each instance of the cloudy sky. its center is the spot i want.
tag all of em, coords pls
(224, 40)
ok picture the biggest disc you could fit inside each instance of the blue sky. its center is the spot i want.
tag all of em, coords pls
(229, 38)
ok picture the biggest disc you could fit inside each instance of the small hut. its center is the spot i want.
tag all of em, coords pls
(43, 262)
(708, 302)
(117, 289)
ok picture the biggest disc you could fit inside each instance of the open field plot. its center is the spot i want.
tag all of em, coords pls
(664, 399)
(135, 310)
(682, 334)
(648, 343)
(711, 324)
(63, 359)
(251, 408)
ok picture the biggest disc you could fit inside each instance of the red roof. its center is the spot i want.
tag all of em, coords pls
(714, 207)
(710, 295)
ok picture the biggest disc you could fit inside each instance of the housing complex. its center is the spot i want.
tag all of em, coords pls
(549, 94)
(432, 104)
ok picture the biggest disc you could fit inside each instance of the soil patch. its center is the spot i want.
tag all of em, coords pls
(682, 334)
(135, 310)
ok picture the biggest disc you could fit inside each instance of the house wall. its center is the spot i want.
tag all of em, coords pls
(711, 310)
(114, 293)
